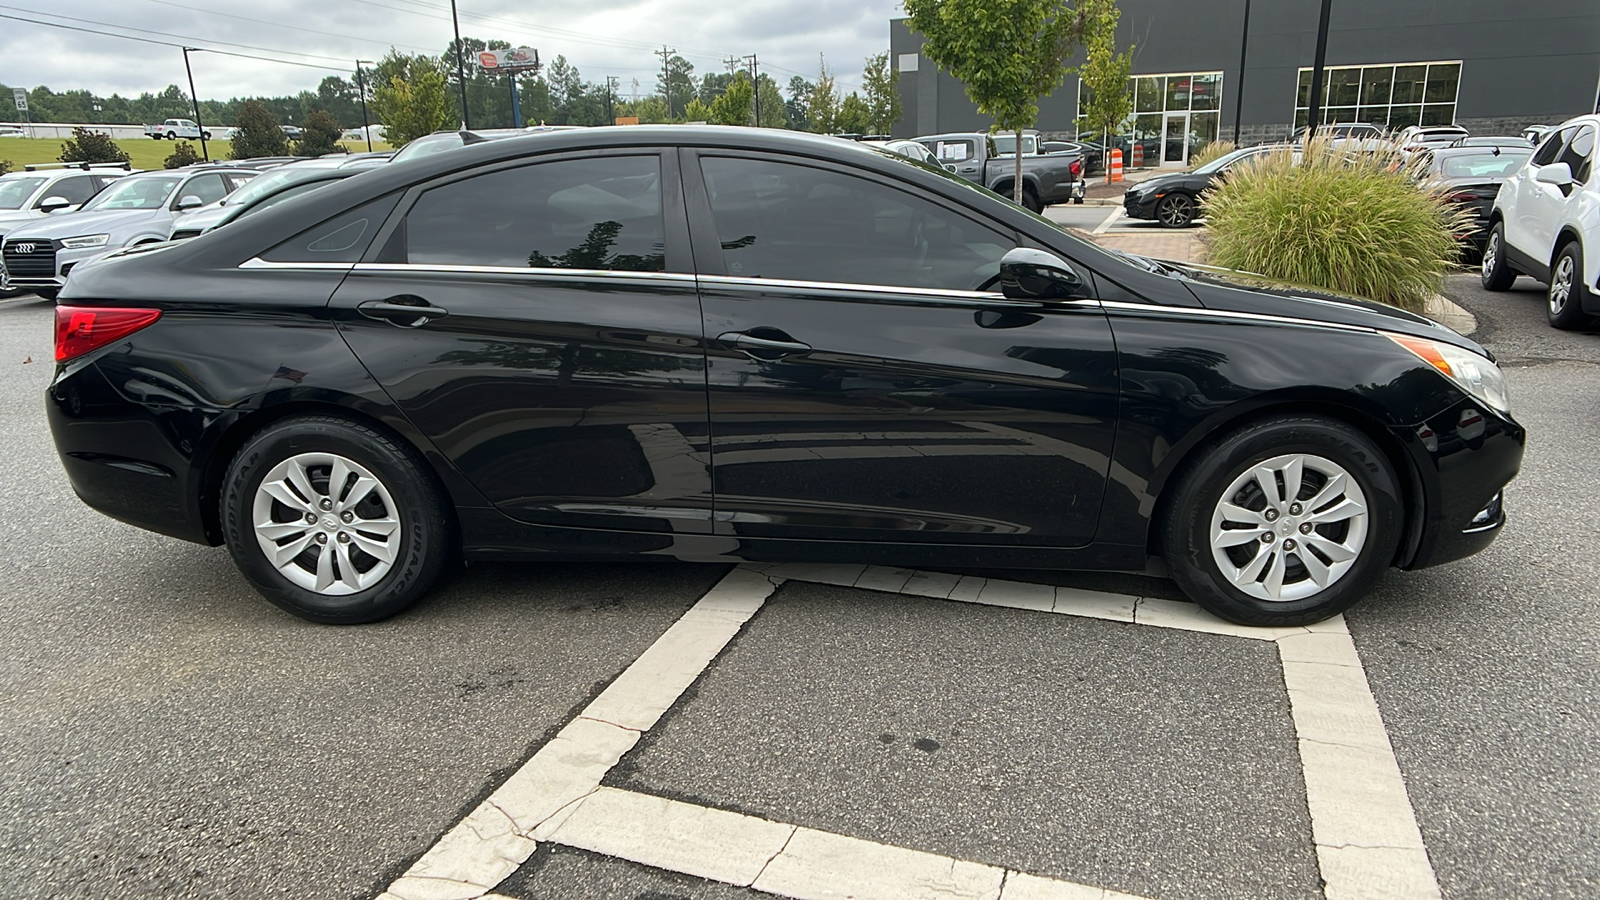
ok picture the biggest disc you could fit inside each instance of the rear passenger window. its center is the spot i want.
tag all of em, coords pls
(602, 213)
(800, 223)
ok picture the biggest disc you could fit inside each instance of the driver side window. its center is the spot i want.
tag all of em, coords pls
(801, 223)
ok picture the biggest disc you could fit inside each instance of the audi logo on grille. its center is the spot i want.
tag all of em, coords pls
(22, 248)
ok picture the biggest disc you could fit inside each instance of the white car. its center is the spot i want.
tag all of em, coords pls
(11, 131)
(1546, 224)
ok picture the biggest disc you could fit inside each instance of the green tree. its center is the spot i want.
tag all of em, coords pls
(6, 165)
(1104, 73)
(414, 101)
(91, 146)
(181, 155)
(256, 132)
(319, 134)
(822, 107)
(695, 111)
(798, 106)
(712, 84)
(650, 110)
(769, 101)
(676, 84)
(882, 86)
(854, 116)
(734, 107)
(1007, 55)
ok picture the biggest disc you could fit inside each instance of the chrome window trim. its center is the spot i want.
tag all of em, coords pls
(1115, 306)
(257, 262)
(541, 273)
(932, 293)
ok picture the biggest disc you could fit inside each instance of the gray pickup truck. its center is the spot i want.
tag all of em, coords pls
(1057, 178)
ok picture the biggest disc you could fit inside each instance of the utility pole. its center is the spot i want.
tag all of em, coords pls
(461, 69)
(666, 77)
(611, 90)
(1244, 50)
(361, 85)
(1314, 113)
(755, 80)
(199, 125)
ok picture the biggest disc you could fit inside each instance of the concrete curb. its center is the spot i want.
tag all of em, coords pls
(1442, 310)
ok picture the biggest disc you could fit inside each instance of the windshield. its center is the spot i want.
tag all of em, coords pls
(135, 193)
(274, 180)
(1006, 144)
(427, 146)
(1227, 159)
(1494, 165)
(15, 191)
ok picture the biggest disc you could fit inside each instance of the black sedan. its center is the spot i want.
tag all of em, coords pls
(1174, 200)
(1470, 176)
(726, 344)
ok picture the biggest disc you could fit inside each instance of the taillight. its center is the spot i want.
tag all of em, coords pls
(80, 329)
(1465, 197)
(1077, 167)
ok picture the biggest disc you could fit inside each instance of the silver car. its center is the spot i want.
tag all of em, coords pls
(138, 209)
(49, 189)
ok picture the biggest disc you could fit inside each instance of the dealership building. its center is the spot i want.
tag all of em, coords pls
(1490, 66)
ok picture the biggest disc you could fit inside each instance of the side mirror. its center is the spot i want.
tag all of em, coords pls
(188, 202)
(950, 167)
(1558, 174)
(51, 204)
(1028, 274)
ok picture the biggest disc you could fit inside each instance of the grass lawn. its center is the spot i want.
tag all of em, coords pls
(146, 153)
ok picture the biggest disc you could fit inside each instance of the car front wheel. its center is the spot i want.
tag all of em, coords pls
(1175, 211)
(1565, 298)
(334, 521)
(1284, 522)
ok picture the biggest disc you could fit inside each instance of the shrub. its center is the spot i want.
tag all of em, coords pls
(320, 134)
(1351, 223)
(256, 132)
(92, 146)
(1210, 152)
(6, 165)
(182, 155)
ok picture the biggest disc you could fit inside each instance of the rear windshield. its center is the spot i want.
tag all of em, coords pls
(15, 191)
(135, 193)
(1503, 165)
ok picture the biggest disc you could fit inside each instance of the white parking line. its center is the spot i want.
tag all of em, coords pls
(1367, 841)
(1103, 227)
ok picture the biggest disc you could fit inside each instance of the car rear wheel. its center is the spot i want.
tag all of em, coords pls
(172, 135)
(1564, 306)
(1284, 522)
(1496, 273)
(1175, 211)
(1030, 199)
(334, 521)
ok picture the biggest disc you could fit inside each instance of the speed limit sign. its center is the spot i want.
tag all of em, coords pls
(21, 96)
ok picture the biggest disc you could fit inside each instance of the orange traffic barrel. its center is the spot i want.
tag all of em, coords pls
(1116, 165)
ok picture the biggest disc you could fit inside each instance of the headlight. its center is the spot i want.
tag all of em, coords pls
(1472, 373)
(85, 242)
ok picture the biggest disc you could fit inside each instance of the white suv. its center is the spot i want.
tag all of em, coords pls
(1546, 223)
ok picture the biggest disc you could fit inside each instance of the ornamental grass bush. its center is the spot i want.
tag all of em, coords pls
(1355, 223)
(1210, 152)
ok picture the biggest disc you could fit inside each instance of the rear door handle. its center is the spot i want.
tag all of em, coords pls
(763, 348)
(405, 315)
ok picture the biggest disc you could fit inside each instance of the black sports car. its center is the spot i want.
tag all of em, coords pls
(727, 344)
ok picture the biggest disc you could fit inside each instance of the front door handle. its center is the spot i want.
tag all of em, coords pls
(414, 314)
(764, 347)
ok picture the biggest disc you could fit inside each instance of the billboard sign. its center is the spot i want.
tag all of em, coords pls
(509, 62)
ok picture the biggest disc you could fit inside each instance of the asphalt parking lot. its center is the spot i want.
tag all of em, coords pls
(681, 727)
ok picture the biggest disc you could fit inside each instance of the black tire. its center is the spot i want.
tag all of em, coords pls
(1196, 500)
(205, 135)
(1496, 273)
(1176, 210)
(45, 293)
(425, 534)
(1030, 200)
(1565, 298)
(172, 135)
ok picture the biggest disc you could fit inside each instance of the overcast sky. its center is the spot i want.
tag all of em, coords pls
(600, 37)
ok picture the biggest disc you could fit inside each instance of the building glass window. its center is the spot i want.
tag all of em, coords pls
(1164, 105)
(1389, 96)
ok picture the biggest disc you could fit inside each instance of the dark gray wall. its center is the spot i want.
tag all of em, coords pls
(1522, 62)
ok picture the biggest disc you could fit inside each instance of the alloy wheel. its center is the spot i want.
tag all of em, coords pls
(1177, 210)
(1289, 527)
(1491, 252)
(326, 523)
(1561, 286)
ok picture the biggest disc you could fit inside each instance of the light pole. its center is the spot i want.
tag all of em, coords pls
(194, 99)
(1244, 50)
(361, 85)
(461, 69)
(1314, 113)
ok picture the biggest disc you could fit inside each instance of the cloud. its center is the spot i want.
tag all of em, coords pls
(600, 37)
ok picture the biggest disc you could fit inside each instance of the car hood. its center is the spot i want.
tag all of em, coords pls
(204, 219)
(1176, 179)
(1227, 289)
(93, 222)
(14, 218)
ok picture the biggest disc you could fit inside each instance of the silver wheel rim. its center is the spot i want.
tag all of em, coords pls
(1175, 210)
(326, 523)
(1289, 528)
(1561, 286)
(1490, 252)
